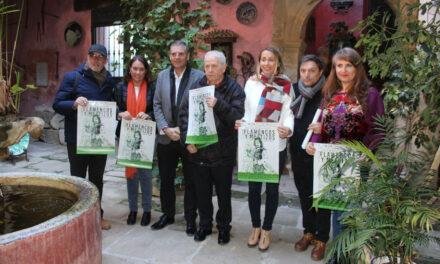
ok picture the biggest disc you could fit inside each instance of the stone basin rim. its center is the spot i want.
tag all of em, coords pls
(87, 196)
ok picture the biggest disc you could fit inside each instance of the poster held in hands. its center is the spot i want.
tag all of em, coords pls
(332, 161)
(201, 123)
(96, 128)
(136, 143)
(258, 155)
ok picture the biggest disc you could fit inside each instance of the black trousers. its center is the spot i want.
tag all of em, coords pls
(272, 195)
(168, 157)
(315, 221)
(204, 180)
(93, 164)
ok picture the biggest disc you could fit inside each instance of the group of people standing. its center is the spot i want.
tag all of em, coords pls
(348, 101)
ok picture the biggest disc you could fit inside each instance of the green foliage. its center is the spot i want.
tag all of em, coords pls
(388, 210)
(408, 58)
(17, 90)
(150, 26)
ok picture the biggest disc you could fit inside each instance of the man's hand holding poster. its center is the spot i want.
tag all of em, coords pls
(201, 123)
(96, 128)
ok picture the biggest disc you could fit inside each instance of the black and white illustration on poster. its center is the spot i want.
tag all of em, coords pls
(258, 152)
(136, 143)
(329, 163)
(201, 123)
(96, 128)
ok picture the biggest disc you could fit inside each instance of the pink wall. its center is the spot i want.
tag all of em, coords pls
(251, 38)
(324, 15)
(32, 50)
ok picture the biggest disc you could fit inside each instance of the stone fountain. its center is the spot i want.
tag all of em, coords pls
(73, 236)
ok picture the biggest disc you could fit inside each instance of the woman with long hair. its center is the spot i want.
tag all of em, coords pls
(350, 105)
(268, 98)
(134, 97)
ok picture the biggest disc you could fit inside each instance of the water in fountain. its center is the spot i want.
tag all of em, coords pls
(25, 206)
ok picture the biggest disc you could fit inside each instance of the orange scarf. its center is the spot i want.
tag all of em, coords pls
(134, 107)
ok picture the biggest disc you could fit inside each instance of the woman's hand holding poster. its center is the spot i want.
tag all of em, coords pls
(136, 143)
(334, 166)
(201, 123)
(258, 152)
(96, 128)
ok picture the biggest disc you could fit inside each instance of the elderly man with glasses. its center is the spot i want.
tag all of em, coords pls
(90, 81)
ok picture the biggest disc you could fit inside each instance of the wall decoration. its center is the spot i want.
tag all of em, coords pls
(222, 39)
(73, 34)
(41, 74)
(246, 13)
(224, 2)
(341, 6)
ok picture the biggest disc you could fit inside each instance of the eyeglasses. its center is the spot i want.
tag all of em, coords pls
(97, 56)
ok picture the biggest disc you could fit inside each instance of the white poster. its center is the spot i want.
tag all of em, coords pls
(136, 143)
(96, 128)
(329, 162)
(201, 123)
(258, 155)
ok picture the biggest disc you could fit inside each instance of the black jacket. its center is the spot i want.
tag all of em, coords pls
(229, 108)
(301, 125)
(79, 82)
(121, 100)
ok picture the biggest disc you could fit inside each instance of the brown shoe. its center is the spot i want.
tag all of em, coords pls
(105, 225)
(265, 239)
(254, 237)
(318, 251)
(302, 244)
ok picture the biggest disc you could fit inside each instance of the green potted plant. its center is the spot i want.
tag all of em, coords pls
(10, 95)
(388, 213)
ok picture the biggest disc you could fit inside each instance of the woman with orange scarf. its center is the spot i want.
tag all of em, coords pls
(134, 97)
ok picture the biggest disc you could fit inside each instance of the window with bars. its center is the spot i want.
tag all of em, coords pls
(108, 36)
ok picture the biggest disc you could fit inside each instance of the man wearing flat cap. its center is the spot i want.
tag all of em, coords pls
(90, 81)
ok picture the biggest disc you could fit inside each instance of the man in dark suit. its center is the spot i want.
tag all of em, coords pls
(171, 85)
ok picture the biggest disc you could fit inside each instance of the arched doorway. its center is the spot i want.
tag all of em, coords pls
(289, 28)
(289, 22)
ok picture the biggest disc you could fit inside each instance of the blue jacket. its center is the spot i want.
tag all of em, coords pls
(79, 82)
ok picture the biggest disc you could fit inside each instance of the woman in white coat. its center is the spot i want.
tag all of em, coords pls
(268, 97)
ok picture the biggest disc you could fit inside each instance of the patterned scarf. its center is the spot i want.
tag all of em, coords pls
(135, 106)
(270, 104)
(306, 93)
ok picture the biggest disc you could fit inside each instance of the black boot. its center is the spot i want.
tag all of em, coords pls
(190, 228)
(146, 218)
(223, 237)
(131, 219)
(201, 234)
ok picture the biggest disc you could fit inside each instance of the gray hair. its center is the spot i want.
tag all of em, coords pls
(216, 54)
(180, 43)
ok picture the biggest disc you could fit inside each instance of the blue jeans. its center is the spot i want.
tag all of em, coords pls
(144, 177)
(336, 223)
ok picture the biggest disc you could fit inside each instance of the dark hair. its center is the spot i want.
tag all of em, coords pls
(313, 58)
(359, 89)
(180, 43)
(276, 52)
(142, 60)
